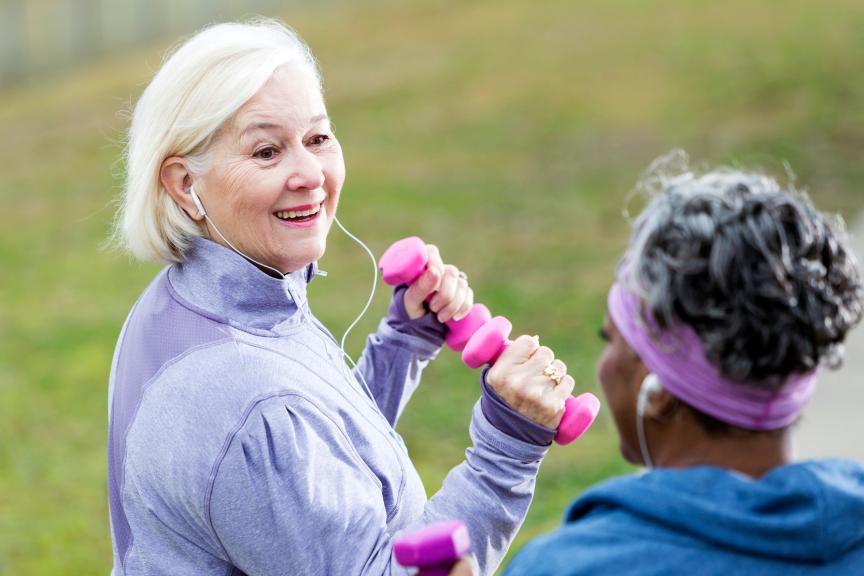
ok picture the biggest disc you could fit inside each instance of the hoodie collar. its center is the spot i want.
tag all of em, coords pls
(225, 286)
(801, 512)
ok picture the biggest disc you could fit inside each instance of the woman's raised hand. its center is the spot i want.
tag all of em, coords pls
(532, 381)
(451, 297)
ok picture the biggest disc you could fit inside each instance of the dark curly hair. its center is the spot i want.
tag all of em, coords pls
(767, 283)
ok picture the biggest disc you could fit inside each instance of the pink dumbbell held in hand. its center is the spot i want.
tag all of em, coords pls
(479, 337)
(434, 548)
(404, 262)
(490, 341)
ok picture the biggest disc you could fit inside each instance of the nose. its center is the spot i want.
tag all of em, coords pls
(306, 171)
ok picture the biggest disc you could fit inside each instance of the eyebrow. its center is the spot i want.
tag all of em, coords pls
(265, 125)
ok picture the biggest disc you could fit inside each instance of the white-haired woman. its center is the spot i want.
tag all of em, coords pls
(239, 441)
(731, 296)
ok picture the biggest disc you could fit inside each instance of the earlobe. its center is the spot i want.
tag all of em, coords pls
(176, 180)
(656, 402)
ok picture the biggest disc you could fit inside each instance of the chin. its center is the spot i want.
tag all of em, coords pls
(301, 258)
(318, 250)
(630, 455)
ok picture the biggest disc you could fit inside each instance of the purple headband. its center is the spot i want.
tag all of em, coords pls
(677, 357)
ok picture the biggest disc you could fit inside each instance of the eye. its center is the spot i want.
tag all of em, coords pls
(604, 335)
(319, 140)
(265, 153)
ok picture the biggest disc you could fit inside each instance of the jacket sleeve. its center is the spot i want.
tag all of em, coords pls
(396, 354)
(291, 495)
(490, 491)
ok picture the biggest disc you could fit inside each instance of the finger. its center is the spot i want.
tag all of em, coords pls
(467, 303)
(541, 358)
(445, 304)
(448, 312)
(465, 567)
(556, 401)
(559, 366)
(434, 259)
(447, 289)
(565, 389)
(419, 291)
(520, 350)
(555, 371)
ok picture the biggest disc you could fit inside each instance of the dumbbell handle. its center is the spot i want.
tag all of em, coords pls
(404, 262)
(434, 548)
(487, 345)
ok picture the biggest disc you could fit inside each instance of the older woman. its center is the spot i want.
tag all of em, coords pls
(731, 296)
(239, 441)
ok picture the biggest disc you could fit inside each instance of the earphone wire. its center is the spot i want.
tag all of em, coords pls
(371, 293)
(203, 212)
(644, 391)
(643, 443)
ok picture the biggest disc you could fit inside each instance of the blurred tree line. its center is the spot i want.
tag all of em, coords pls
(39, 36)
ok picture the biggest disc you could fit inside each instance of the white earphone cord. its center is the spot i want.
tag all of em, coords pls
(203, 212)
(643, 442)
(371, 293)
(649, 385)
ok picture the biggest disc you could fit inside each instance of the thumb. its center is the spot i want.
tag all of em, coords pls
(419, 291)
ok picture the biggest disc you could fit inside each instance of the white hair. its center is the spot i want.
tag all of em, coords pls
(199, 87)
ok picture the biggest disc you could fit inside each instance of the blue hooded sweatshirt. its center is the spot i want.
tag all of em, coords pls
(803, 518)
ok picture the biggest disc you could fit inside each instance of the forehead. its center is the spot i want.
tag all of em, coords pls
(290, 98)
(618, 343)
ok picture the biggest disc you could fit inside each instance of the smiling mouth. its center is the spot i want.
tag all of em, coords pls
(299, 215)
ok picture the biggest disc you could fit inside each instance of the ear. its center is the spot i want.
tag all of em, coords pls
(176, 179)
(662, 406)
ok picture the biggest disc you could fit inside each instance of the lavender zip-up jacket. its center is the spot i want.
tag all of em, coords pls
(241, 443)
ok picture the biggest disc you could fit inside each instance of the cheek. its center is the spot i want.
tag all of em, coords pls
(335, 173)
(609, 374)
(615, 379)
(231, 187)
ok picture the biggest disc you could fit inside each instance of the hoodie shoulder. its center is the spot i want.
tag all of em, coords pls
(801, 514)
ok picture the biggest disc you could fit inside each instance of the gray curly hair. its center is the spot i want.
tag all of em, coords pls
(765, 280)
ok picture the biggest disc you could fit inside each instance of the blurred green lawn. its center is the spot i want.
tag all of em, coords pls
(507, 133)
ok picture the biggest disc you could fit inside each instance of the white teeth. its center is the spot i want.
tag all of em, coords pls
(290, 214)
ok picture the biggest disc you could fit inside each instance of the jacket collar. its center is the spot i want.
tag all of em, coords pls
(227, 287)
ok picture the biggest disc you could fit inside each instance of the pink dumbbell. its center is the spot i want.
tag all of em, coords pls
(433, 549)
(480, 338)
(404, 262)
(490, 341)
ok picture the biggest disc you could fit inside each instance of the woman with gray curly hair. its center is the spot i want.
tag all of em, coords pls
(731, 297)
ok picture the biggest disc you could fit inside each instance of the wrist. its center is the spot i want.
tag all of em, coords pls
(503, 417)
(425, 326)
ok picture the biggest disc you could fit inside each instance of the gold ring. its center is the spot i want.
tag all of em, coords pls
(553, 373)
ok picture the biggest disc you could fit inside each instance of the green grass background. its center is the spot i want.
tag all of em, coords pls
(508, 133)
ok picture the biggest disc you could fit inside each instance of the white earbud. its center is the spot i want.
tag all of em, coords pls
(197, 201)
(650, 385)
